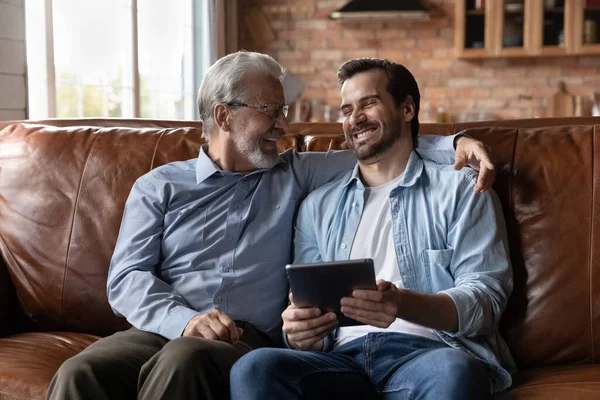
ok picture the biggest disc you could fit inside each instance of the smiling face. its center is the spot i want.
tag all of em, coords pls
(255, 133)
(372, 120)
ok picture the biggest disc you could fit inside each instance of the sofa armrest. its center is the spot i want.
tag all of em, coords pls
(9, 306)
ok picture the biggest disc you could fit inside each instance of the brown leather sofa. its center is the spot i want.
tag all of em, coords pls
(63, 185)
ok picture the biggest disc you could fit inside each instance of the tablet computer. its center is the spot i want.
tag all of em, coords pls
(322, 285)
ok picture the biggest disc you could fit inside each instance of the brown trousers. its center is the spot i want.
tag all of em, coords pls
(137, 364)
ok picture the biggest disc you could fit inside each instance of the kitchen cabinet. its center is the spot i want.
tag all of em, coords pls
(525, 28)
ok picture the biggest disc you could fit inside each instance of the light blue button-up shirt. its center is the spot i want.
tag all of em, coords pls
(196, 238)
(447, 239)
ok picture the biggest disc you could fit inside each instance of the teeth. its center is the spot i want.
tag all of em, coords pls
(361, 134)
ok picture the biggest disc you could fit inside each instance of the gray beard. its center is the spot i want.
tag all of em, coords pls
(252, 151)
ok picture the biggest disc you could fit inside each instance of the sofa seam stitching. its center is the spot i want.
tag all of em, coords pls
(591, 269)
(156, 149)
(62, 297)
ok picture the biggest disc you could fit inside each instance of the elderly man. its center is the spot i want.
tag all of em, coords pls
(198, 268)
(440, 253)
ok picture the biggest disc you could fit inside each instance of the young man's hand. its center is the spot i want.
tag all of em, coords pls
(374, 307)
(476, 155)
(306, 327)
(214, 325)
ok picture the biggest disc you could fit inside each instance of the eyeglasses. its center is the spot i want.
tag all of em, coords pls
(271, 109)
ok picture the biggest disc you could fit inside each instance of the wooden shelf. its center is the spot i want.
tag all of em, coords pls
(554, 10)
(513, 52)
(539, 25)
(470, 53)
(553, 51)
(590, 49)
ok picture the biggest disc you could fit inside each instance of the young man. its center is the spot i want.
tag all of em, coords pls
(441, 257)
(198, 267)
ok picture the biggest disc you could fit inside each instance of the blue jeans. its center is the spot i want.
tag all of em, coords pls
(379, 365)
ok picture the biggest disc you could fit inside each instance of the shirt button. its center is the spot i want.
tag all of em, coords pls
(353, 204)
(343, 246)
(219, 299)
(225, 269)
(277, 207)
(236, 206)
(230, 237)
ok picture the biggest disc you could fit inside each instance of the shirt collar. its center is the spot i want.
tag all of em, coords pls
(412, 172)
(205, 167)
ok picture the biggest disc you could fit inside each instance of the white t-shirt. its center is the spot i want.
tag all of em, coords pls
(374, 239)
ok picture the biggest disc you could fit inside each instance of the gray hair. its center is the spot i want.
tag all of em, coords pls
(224, 82)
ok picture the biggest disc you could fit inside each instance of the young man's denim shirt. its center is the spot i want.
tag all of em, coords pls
(447, 240)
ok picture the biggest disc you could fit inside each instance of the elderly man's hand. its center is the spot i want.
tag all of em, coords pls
(215, 325)
(476, 155)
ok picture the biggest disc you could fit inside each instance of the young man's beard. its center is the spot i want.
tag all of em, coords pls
(388, 134)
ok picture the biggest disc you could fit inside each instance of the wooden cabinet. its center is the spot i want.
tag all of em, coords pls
(522, 28)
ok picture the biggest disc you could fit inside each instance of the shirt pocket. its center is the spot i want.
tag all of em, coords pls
(437, 264)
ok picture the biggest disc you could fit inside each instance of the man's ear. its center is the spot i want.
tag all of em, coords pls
(409, 108)
(221, 116)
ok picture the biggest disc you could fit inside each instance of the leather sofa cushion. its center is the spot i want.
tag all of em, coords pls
(568, 382)
(28, 361)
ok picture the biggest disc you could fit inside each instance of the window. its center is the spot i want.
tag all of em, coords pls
(111, 58)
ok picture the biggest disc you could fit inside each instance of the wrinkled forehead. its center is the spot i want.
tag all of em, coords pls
(263, 89)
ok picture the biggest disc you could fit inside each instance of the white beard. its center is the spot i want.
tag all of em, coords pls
(255, 155)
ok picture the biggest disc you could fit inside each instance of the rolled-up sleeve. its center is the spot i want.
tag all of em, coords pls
(480, 263)
(133, 288)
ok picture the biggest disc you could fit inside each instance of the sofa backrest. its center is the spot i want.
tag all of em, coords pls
(62, 191)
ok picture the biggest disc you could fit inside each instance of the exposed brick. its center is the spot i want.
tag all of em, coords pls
(417, 54)
(391, 34)
(589, 60)
(327, 54)
(464, 82)
(432, 63)
(434, 43)
(357, 34)
(311, 25)
(423, 34)
(434, 93)
(308, 41)
(580, 71)
(510, 92)
(475, 93)
(492, 103)
(360, 53)
(400, 44)
(311, 44)
(370, 44)
(395, 55)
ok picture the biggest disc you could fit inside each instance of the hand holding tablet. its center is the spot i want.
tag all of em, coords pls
(322, 285)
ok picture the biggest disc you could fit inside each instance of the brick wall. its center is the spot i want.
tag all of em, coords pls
(313, 47)
(13, 91)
